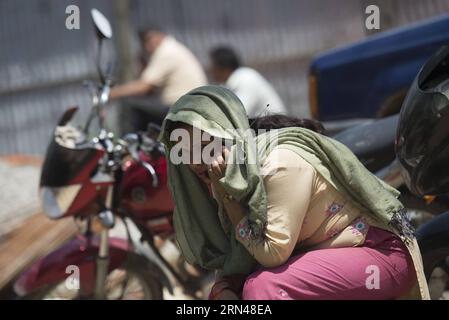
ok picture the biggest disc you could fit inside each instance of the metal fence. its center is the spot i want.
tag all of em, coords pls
(42, 63)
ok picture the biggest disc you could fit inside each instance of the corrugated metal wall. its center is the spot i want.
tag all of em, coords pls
(42, 63)
(275, 37)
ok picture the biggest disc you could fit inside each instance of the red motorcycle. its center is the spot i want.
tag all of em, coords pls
(96, 180)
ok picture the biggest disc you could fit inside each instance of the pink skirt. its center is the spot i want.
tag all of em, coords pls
(380, 269)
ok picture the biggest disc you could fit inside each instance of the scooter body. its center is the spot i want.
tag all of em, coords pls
(373, 142)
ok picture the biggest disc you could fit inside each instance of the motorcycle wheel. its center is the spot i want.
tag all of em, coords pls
(438, 282)
(130, 281)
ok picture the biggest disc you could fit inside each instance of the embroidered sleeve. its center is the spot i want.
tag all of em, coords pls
(288, 183)
(242, 230)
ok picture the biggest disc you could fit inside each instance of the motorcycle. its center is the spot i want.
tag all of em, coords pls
(97, 180)
(421, 147)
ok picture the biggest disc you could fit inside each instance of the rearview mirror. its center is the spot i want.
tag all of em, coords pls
(102, 25)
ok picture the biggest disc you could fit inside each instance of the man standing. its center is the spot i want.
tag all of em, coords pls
(250, 86)
(172, 71)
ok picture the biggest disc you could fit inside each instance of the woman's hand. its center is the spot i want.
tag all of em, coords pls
(218, 167)
(217, 170)
(223, 289)
(232, 207)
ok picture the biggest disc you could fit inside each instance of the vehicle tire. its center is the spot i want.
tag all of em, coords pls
(439, 281)
(136, 271)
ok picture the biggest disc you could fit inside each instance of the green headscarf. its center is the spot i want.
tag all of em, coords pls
(199, 233)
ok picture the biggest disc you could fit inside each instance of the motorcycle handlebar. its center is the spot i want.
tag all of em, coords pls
(132, 142)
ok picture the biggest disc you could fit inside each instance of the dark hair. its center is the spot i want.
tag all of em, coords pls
(278, 121)
(225, 57)
(149, 28)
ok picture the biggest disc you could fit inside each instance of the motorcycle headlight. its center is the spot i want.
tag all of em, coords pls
(57, 200)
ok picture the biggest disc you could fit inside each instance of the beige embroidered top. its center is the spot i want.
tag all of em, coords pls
(304, 212)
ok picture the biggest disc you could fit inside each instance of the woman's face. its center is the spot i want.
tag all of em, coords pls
(194, 149)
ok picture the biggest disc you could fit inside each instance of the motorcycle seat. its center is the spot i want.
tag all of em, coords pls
(373, 142)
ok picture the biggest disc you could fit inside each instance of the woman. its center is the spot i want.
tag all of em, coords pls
(289, 214)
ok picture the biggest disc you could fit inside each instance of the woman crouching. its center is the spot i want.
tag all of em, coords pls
(285, 214)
